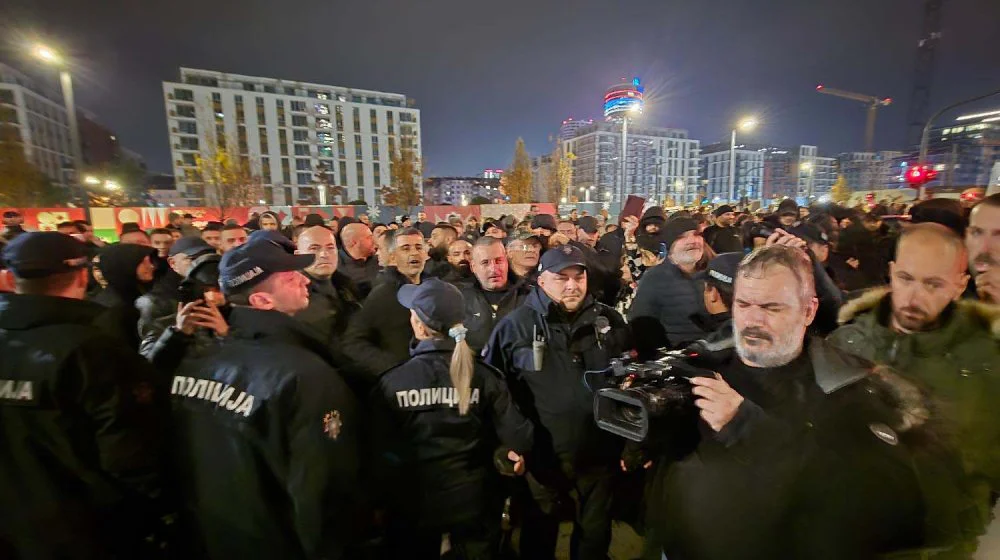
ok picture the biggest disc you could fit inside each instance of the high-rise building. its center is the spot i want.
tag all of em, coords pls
(964, 152)
(767, 172)
(40, 119)
(715, 165)
(661, 162)
(286, 129)
(460, 190)
(865, 171)
(492, 173)
(569, 127)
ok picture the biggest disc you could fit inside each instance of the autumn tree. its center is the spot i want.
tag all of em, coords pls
(122, 183)
(403, 190)
(227, 177)
(516, 181)
(559, 176)
(22, 185)
(324, 182)
(840, 192)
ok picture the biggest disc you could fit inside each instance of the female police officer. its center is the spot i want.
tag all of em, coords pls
(436, 420)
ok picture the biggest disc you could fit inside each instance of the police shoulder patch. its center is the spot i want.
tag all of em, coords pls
(332, 424)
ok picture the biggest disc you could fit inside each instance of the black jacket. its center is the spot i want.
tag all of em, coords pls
(157, 311)
(118, 264)
(435, 466)
(361, 272)
(266, 443)
(480, 317)
(816, 463)
(332, 302)
(724, 239)
(661, 311)
(558, 396)
(604, 277)
(81, 420)
(378, 337)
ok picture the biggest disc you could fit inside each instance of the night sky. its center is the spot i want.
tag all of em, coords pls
(484, 73)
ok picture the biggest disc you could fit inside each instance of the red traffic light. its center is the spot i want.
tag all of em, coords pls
(920, 175)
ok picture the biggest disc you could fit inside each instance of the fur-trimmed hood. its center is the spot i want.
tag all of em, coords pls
(985, 313)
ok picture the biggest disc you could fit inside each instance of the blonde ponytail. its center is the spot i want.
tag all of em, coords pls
(462, 365)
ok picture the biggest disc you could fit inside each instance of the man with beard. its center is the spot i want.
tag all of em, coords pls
(543, 348)
(357, 257)
(982, 238)
(460, 258)
(524, 252)
(378, 336)
(332, 296)
(437, 263)
(801, 450)
(492, 294)
(724, 236)
(668, 294)
(922, 327)
(266, 411)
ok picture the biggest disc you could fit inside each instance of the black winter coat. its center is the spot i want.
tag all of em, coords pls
(332, 303)
(662, 309)
(724, 239)
(435, 466)
(361, 272)
(480, 317)
(378, 337)
(81, 420)
(817, 463)
(118, 264)
(266, 443)
(157, 311)
(559, 397)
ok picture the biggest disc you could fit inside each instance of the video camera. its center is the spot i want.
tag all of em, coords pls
(652, 400)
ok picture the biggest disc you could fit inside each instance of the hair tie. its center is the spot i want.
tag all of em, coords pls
(458, 332)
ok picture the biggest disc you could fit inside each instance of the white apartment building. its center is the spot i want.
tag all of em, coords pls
(40, 117)
(749, 176)
(660, 162)
(767, 173)
(286, 129)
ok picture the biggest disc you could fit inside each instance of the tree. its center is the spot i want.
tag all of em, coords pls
(227, 177)
(323, 179)
(840, 192)
(516, 181)
(559, 175)
(403, 190)
(129, 177)
(22, 185)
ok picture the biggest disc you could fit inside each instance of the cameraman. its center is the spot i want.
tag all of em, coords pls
(543, 348)
(803, 454)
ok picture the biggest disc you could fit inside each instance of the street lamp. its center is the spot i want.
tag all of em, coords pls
(50, 56)
(91, 180)
(633, 110)
(745, 124)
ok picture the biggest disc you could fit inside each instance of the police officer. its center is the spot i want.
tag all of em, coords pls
(436, 417)
(544, 348)
(80, 424)
(265, 427)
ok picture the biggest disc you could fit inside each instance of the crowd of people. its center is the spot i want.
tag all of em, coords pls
(415, 389)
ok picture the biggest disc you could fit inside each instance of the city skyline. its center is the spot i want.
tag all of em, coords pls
(470, 85)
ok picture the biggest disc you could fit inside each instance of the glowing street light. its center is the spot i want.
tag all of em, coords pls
(48, 55)
(112, 186)
(91, 180)
(745, 124)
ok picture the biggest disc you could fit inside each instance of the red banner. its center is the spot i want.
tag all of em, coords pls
(46, 219)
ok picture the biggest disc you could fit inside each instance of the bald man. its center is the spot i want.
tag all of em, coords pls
(333, 297)
(921, 327)
(357, 256)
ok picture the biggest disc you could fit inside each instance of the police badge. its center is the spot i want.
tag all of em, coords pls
(332, 424)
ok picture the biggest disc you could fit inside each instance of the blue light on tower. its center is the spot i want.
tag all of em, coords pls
(623, 98)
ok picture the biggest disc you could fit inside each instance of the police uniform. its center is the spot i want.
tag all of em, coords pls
(544, 353)
(80, 421)
(265, 439)
(433, 465)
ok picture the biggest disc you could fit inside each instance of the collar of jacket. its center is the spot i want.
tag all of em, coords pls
(544, 306)
(446, 344)
(23, 311)
(392, 274)
(960, 318)
(321, 285)
(250, 323)
(346, 257)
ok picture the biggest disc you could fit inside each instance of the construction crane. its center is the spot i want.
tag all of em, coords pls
(871, 101)
(923, 72)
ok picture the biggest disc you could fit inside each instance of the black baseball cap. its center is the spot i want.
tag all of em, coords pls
(11, 214)
(254, 261)
(810, 233)
(545, 221)
(526, 235)
(438, 304)
(490, 224)
(788, 206)
(721, 271)
(37, 254)
(560, 258)
(190, 246)
(587, 224)
(722, 210)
